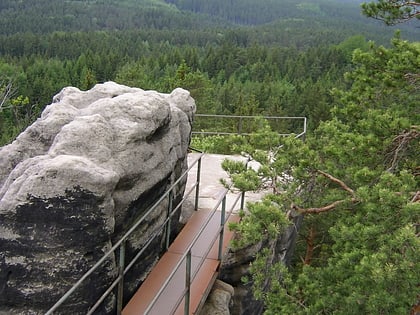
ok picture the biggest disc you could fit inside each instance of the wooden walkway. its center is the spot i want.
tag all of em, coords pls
(204, 269)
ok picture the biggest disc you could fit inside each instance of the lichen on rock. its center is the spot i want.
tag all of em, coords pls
(75, 180)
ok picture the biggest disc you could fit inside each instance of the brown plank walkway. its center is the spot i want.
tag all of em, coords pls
(204, 269)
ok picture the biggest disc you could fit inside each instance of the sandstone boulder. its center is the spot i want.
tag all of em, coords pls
(219, 299)
(75, 180)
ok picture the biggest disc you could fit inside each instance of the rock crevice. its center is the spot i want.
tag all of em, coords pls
(75, 180)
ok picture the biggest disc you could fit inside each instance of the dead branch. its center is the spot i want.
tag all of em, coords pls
(400, 144)
(327, 208)
(6, 93)
(339, 182)
(416, 197)
(413, 79)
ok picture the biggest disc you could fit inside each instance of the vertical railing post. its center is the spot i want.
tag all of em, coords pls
(121, 266)
(187, 283)
(168, 223)
(222, 228)
(304, 129)
(197, 187)
(243, 193)
(242, 200)
(240, 125)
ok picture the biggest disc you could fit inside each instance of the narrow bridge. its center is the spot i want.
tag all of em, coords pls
(182, 278)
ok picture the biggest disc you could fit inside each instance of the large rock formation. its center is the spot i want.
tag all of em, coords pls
(74, 181)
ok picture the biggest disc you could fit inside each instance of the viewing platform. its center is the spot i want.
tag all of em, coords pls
(182, 278)
(163, 292)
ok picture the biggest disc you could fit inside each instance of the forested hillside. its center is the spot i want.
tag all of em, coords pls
(285, 65)
(251, 12)
(43, 16)
(355, 179)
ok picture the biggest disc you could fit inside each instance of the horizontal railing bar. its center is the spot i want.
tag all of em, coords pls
(189, 248)
(207, 251)
(118, 243)
(244, 118)
(254, 117)
(231, 133)
(103, 296)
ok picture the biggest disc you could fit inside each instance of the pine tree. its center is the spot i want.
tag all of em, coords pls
(356, 181)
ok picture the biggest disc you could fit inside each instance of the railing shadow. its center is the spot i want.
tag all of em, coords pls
(119, 248)
(120, 245)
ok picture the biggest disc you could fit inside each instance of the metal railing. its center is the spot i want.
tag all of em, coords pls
(186, 257)
(205, 124)
(121, 245)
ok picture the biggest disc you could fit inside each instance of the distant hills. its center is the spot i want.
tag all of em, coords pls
(47, 16)
(256, 12)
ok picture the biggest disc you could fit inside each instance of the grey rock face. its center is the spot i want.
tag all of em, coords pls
(74, 181)
(237, 263)
(219, 299)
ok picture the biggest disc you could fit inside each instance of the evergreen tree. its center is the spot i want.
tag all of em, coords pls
(392, 11)
(356, 181)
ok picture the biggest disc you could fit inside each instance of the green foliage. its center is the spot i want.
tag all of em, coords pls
(355, 175)
(218, 144)
(392, 12)
(355, 179)
(14, 117)
(263, 220)
(349, 45)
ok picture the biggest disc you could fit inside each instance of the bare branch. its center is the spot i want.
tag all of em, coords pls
(413, 79)
(416, 197)
(400, 144)
(339, 182)
(334, 204)
(327, 208)
(7, 93)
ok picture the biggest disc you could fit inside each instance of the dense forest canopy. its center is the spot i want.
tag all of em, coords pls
(45, 16)
(355, 181)
(355, 178)
(251, 57)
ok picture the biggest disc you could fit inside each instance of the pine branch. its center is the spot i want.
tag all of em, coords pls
(334, 204)
(339, 182)
(327, 208)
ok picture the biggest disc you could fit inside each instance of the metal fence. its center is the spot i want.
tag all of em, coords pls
(185, 261)
(245, 125)
(119, 249)
(242, 125)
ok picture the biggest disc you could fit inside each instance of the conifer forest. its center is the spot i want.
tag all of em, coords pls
(352, 68)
